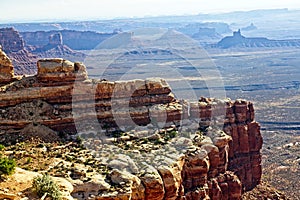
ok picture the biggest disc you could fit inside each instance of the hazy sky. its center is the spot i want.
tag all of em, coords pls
(29, 10)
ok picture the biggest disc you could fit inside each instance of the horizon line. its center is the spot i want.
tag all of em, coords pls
(103, 18)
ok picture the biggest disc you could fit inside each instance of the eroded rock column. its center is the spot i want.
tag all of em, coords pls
(6, 68)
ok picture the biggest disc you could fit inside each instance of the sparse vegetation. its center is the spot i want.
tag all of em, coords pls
(45, 184)
(173, 134)
(7, 166)
(2, 147)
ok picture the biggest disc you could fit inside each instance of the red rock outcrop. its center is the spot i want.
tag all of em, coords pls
(6, 68)
(24, 57)
(219, 163)
(11, 40)
(244, 148)
(13, 44)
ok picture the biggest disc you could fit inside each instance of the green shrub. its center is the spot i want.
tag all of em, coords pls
(2, 147)
(7, 166)
(45, 184)
(173, 134)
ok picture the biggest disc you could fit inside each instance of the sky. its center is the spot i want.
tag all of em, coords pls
(48, 10)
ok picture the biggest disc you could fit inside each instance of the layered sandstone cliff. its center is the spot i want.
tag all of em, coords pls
(24, 56)
(167, 149)
(13, 44)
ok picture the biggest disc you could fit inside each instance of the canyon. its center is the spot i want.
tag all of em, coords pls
(152, 145)
(260, 65)
(24, 55)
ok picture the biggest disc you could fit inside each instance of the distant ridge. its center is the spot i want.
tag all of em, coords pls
(238, 40)
(76, 40)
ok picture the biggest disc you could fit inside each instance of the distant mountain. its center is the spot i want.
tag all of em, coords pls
(238, 40)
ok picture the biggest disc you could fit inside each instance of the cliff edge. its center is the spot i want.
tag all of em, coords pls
(146, 144)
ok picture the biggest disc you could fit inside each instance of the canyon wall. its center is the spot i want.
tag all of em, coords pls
(77, 40)
(24, 56)
(13, 44)
(11, 40)
(220, 161)
(56, 48)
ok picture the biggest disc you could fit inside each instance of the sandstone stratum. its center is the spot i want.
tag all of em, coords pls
(146, 144)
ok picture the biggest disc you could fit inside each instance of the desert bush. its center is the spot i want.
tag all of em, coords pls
(7, 166)
(173, 134)
(45, 184)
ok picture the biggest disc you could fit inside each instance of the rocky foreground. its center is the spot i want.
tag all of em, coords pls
(141, 142)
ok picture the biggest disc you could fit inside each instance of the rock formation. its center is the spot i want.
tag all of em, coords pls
(24, 57)
(206, 34)
(208, 149)
(56, 48)
(206, 27)
(55, 39)
(251, 27)
(238, 40)
(11, 40)
(13, 44)
(77, 40)
(6, 68)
